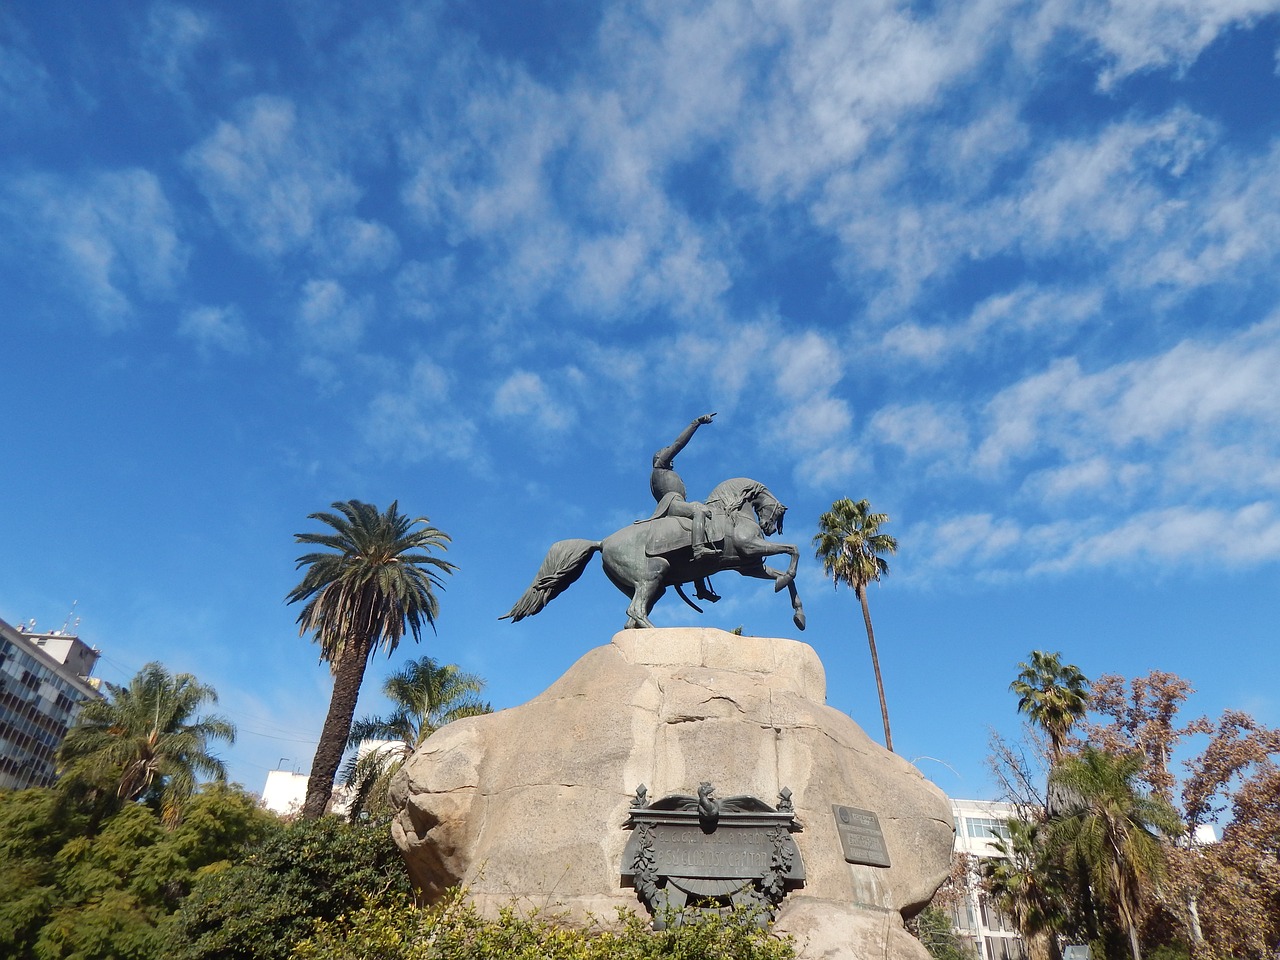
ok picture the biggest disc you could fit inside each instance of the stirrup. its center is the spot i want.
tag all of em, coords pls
(709, 594)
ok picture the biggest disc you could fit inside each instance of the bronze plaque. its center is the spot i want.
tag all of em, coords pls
(860, 836)
(688, 851)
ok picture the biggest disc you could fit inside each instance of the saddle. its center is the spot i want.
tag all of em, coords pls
(669, 534)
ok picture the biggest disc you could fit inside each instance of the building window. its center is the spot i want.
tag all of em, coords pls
(986, 828)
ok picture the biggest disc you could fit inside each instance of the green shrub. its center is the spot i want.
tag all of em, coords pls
(260, 907)
(453, 930)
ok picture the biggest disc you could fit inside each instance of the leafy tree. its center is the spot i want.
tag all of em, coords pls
(146, 740)
(1221, 896)
(851, 547)
(375, 577)
(425, 696)
(262, 906)
(1144, 718)
(1053, 696)
(75, 885)
(1113, 830)
(933, 929)
(34, 824)
(1231, 889)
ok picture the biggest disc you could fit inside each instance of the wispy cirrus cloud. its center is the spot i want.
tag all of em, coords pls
(109, 240)
(1171, 459)
(218, 329)
(421, 418)
(274, 181)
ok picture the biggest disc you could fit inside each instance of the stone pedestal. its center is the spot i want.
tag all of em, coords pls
(527, 805)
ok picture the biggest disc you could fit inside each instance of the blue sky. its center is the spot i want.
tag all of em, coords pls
(1007, 270)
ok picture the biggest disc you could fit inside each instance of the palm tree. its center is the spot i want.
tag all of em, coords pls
(1027, 883)
(1113, 830)
(1053, 696)
(850, 545)
(146, 740)
(425, 695)
(376, 577)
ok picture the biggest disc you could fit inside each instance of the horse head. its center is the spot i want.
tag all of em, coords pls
(736, 494)
(769, 514)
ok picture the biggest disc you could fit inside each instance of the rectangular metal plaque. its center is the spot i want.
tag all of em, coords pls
(686, 851)
(860, 836)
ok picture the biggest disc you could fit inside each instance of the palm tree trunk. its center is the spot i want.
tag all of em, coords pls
(1133, 942)
(337, 727)
(875, 663)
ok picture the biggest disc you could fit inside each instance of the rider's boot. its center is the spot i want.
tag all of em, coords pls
(704, 591)
(701, 549)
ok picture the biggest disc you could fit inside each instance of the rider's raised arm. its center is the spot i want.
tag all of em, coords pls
(665, 456)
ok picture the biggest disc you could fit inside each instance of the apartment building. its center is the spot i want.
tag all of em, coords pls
(44, 678)
(979, 824)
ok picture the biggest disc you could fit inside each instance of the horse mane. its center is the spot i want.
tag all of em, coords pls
(737, 492)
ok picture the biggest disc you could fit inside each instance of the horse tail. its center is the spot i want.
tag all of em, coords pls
(563, 564)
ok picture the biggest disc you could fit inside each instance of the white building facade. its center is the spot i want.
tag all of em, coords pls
(979, 824)
(44, 679)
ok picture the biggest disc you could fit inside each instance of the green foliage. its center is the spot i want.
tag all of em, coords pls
(933, 929)
(259, 908)
(454, 931)
(1052, 695)
(146, 740)
(850, 545)
(76, 886)
(1113, 831)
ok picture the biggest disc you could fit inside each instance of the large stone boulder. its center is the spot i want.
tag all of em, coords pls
(528, 804)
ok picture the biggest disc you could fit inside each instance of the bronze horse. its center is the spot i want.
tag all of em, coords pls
(645, 558)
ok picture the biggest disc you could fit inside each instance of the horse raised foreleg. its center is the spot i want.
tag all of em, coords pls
(764, 548)
(780, 580)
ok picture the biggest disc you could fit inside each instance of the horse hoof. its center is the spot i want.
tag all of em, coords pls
(799, 620)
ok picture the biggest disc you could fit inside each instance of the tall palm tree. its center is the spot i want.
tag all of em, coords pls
(376, 577)
(1113, 829)
(1053, 697)
(850, 545)
(146, 741)
(425, 696)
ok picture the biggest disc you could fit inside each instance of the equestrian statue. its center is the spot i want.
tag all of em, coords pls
(685, 541)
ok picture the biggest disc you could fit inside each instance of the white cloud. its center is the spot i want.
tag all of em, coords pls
(329, 319)
(174, 35)
(1027, 311)
(420, 286)
(1102, 189)
(1185, 535)
(268, 178)
(109, 239)
(217, 328)
(807, 364)
(919, 429)
(418, 419)
(1142, 35)
(1195, 390)
(24, 81)
(971, 542)
(524, 395)
(353, 245)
